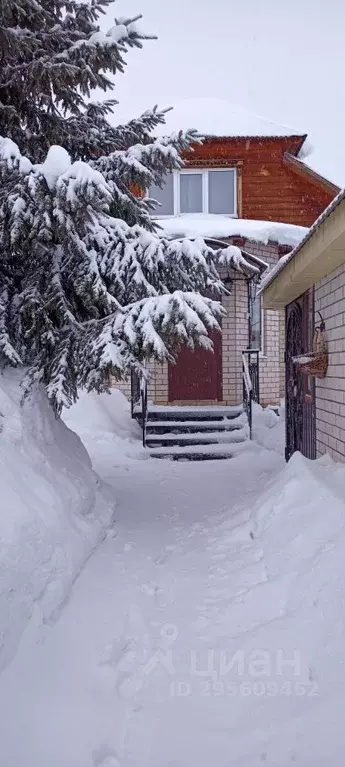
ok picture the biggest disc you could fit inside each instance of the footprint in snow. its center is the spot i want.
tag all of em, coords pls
(159, 594)
(105, 757)
(126, 656)
(150, 589)
(163, 557)
(165, 554)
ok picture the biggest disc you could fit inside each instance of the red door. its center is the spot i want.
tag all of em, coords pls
(197, 374)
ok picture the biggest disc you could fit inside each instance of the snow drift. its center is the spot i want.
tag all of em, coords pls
(300, 523)
(269, 427)
(54, 510)
(104, 420)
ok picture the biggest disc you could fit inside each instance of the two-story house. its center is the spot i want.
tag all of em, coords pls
(246, 184)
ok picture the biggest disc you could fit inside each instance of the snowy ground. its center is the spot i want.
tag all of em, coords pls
(207, 629)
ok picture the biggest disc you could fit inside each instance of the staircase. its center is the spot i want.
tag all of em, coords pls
(195, 433)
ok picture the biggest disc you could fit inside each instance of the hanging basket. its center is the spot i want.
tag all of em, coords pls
(312, 364)
(315, 363)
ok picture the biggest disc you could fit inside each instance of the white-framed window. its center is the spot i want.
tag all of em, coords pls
(256, 340)
(190, 191)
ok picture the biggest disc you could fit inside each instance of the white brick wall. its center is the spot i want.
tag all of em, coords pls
(270, 363)
(330, 391)
(230, 377)
(282, 354)
(158, 384)
(272, 368)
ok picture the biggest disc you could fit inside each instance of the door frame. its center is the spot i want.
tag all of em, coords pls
(300, 389)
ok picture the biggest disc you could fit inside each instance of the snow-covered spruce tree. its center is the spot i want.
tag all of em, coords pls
(86, 285)
(52, 55)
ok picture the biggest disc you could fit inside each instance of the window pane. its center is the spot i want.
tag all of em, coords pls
(256, 329)
(191, 193)
(165, 196)
(221, 191)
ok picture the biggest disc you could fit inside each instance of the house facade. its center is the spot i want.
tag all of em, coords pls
(310, 289)
(253, 191)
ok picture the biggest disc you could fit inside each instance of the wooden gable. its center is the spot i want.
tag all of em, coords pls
(269, 188)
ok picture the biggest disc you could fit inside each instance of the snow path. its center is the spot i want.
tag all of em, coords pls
(111, 682)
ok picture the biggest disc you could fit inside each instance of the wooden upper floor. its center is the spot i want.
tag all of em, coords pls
(272, 184)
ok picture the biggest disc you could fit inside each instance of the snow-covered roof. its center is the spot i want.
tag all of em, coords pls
(218, 117)
(208, 225)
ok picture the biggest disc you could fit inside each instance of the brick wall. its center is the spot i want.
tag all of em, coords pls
(272, 359)
(229, 361)
(270, 362)
(124, 386)
(158, 384)
(330, 391)
(282, 354)
(235, 395)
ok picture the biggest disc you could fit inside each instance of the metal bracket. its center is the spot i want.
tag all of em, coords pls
(322, 326)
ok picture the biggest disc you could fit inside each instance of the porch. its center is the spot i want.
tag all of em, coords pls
(207, 379)
(197, 432)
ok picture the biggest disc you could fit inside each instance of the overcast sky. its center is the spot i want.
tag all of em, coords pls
(282, 59)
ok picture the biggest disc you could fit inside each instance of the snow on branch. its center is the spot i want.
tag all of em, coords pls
(123, 32)
(233, 257)
(56, 163)
(147, 163)
(11, 156)
(158, 326)
(140, 129)
(7, 350)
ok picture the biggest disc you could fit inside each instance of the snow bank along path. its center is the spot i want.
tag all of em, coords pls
(53, 511)
(207, 629)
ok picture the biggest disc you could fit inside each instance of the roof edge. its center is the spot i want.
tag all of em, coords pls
(302, 141)
(256, 137)
(299, 167)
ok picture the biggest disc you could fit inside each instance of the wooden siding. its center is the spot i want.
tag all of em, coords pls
(270, 189)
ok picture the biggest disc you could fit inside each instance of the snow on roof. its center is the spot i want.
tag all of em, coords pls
(218, 117)
(271, 274)
(208, 225)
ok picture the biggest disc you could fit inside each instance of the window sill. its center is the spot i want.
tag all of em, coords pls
(193, 215)
(262, 355)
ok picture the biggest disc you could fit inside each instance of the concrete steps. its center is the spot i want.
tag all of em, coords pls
(189, 427)
(195, 433)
